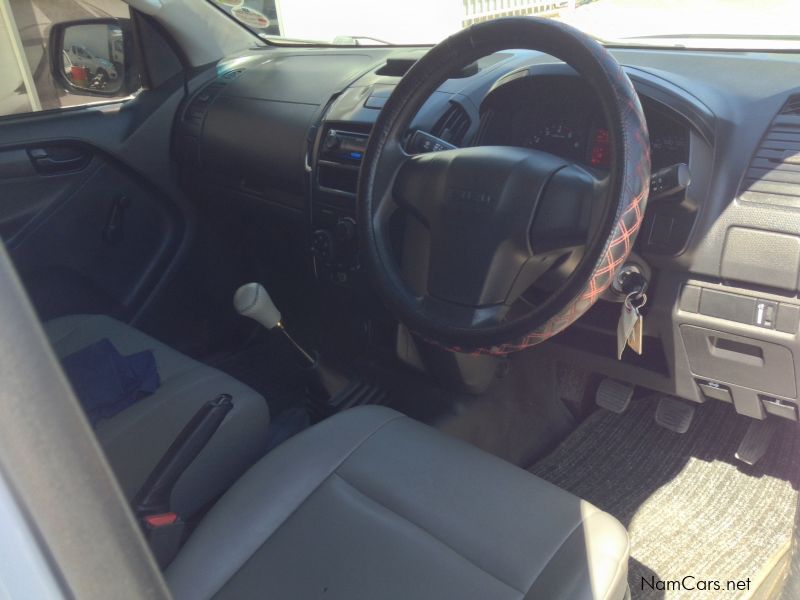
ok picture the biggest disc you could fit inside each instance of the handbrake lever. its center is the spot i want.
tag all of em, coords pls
(162, 528)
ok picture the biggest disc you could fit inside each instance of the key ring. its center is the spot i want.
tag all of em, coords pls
(636, 296)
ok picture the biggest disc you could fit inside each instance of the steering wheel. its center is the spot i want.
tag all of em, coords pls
(480, 225)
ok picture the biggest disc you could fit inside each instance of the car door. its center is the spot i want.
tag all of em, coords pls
(90, 211)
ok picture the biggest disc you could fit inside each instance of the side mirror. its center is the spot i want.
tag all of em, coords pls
(93, 57)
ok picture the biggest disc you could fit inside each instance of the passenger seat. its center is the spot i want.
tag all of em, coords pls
(135, 439)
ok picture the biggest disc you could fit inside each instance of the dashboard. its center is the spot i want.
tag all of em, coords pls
(284, 129)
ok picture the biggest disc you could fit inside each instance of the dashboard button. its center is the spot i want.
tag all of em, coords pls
(766, 312)
(322, 245)
(331, 140)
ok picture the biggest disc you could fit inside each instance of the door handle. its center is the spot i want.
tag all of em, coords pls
(52, 161)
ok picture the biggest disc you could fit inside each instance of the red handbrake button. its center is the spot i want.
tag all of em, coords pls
(161, 520)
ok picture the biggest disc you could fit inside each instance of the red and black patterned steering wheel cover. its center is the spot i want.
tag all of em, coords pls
(605, 253)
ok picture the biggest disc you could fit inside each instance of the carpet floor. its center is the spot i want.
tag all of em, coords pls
(690, 508)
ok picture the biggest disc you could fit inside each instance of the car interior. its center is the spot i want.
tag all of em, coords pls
(512, 316)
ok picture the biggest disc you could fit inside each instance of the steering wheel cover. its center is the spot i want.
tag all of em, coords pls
(628, 189)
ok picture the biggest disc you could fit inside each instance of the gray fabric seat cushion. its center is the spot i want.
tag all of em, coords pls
(135, 439)
(371, 504)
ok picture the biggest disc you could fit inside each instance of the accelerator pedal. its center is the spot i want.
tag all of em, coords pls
(674, 414)
(614, 396)
(756, 441)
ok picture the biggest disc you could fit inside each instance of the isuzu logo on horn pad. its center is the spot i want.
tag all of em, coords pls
(482, 201)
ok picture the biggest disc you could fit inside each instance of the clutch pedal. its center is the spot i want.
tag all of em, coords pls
(614, 396)
(674, 414)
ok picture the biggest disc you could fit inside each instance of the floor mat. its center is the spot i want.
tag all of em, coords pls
(520, 418)
(690, 508)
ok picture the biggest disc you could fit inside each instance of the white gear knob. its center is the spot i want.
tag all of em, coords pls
(252, 300)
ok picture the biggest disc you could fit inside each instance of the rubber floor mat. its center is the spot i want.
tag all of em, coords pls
(693, 513)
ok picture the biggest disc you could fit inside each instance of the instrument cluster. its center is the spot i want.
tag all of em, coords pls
(558, 115)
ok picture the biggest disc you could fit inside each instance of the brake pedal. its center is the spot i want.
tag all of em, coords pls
(614, 396)
(756, 441)
(674, 414)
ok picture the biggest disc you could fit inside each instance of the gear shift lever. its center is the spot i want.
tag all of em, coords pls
(252, 300)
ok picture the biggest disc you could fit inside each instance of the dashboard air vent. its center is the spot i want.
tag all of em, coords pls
(230, 75)
(773, 176)
(200, 104)
(792, 106)
(453, 125)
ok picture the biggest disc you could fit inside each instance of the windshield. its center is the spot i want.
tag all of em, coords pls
(737, 24)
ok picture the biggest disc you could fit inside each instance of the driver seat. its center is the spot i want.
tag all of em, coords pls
(371, 504)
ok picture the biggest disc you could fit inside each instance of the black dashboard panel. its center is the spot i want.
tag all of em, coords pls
(261, 127)
(273, 133)
(257, 129)
(301, 78)
(249, 128)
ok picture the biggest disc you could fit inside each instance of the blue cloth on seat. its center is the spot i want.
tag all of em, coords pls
(106, 382)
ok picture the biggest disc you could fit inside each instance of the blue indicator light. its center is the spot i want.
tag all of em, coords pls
(356, 155)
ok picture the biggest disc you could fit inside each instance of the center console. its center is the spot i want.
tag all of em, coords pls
(339, 150)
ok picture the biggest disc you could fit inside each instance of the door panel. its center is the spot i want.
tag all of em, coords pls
(86, 240)
(90, 209)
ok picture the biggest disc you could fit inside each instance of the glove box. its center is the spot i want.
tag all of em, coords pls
(740, 361)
